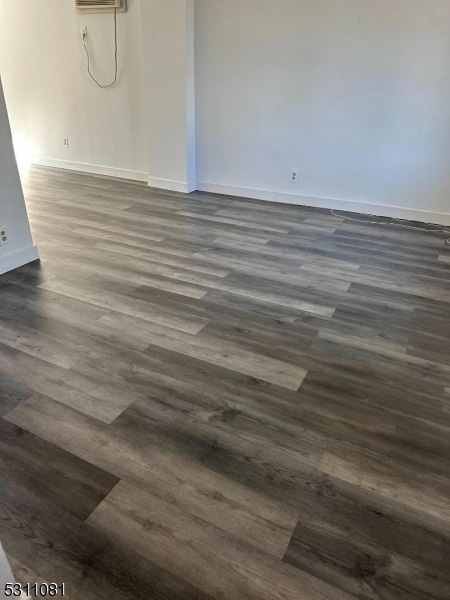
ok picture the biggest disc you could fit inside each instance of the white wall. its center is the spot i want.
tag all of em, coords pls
(168, 46)
(50, 95)
(13, 214)
(354, 93)
(5, 573)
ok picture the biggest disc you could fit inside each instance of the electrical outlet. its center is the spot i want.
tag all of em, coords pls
(66, 142)
(4, 239)
(84, 33)
(293, 178)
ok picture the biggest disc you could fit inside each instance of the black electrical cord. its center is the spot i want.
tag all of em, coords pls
(394, 222)
(115, 57)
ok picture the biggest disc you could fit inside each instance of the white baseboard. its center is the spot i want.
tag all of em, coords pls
(381, 210)
(396, 212)
(89, 168)
(17, 259)
(170, 184)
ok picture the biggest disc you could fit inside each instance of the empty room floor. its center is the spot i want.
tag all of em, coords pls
(211, 398)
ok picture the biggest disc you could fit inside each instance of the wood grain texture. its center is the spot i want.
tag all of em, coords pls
(138, 459)
(50, 543)
(200, 553)
(204, 398)
(74, 484)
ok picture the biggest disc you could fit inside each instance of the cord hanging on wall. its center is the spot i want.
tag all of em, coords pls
(393, 222)
(84, 35)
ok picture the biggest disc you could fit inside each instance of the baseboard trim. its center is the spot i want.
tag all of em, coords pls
(170, 184)
(90, 168)
(17, 259)
(381, 210)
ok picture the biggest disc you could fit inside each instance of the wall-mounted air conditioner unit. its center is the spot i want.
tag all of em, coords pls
(90, 6)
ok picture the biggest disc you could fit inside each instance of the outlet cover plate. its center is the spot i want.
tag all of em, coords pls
(4, 238)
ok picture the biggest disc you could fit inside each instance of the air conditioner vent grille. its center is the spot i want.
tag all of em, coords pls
(101, 5)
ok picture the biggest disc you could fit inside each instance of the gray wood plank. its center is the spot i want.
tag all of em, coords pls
(230, 506)
(199, 553)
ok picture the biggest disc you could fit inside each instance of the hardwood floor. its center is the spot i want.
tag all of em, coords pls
(223, 399)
